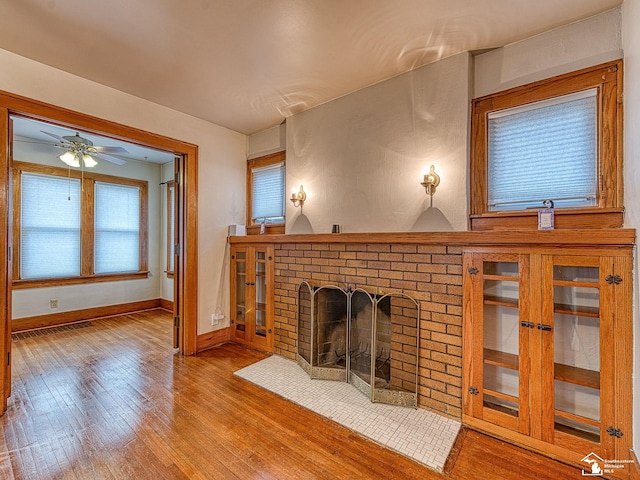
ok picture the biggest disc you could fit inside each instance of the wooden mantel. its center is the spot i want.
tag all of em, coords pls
(591, 237)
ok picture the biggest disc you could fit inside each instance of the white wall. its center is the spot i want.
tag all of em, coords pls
(35, 301)
(562, 50)
(361, 157)
(631, 43)
(221, 167)
(268, 141)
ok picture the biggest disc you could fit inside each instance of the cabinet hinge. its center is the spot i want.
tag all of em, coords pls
(8, 358)
(614, 432)
(527, 324)
(10, 249)
(472, 270)
(613, 279)
(176, 321)
(176, 178)
(473, 391)
(176, 249)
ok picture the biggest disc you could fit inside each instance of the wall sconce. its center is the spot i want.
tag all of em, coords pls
(298, 198)
(430, 182)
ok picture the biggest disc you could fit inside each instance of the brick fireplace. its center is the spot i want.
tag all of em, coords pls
(429, 274)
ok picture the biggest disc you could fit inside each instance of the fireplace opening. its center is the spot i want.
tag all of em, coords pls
(369, 340)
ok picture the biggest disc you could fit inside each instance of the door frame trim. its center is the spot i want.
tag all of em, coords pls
(12, 104)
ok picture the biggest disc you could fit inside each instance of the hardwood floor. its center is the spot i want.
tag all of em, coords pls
(114, 401)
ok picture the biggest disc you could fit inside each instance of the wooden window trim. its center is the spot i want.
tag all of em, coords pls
(87, 274)
(272, 159)
(609, 209)
(171, 190)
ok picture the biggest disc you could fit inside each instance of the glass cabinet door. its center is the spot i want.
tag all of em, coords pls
(503, 340)
(571, 316)
(240, 294)
(260, 326)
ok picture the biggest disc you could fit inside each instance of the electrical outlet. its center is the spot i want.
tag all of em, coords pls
(53, 303)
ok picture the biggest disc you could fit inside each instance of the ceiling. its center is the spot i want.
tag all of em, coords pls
(248, 64)
(31, 131)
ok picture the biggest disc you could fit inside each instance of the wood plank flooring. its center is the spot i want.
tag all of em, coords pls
(114, 401)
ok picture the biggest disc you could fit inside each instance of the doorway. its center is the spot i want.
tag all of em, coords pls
(185, 268)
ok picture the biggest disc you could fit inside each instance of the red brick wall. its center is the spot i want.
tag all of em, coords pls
(432, 275)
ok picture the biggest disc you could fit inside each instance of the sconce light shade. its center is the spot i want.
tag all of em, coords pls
(298, 198)
(431, 181)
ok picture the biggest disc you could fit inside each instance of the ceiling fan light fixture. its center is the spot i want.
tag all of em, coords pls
(70, 158)
(89, 161)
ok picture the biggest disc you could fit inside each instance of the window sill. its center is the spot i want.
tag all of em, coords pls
(55, 282)
(584, 218)
(269, 230)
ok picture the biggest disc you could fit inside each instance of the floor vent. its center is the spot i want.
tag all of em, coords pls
(46, 331)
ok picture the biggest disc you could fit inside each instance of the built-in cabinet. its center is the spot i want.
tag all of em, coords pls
(252, 309)
(547, 349)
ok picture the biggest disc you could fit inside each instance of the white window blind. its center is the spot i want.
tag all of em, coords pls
(544, 151)
(117, 228)
(49, 226)
(268, 193)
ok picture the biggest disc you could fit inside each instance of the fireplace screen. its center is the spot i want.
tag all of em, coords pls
(370, 341)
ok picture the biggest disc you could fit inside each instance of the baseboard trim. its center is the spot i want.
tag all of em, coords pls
(166, 304)
(62, 318)
(212, 339)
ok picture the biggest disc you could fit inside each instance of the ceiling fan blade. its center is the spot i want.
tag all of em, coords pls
(109, 158)
(119, 150)
(57, 137)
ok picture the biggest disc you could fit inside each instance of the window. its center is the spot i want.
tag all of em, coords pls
(71, 227)
(50, 227)
(117, 228)
(559, 140)
(171, 227)
(265, 193)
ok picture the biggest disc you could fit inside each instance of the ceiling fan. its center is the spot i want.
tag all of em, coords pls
(82, 149)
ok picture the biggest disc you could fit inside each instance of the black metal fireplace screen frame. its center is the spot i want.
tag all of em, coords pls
(335, 347)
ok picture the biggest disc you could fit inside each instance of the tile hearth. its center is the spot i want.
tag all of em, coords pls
(416, 433)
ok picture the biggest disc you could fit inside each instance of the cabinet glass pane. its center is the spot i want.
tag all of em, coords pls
(576, 274)
(501, 320)
(241, 290)
(501, 389)
(577, 410)
(576, 334)
(509, 269)
(261, 298)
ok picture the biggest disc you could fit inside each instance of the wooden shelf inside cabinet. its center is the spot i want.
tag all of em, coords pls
(591, 312)
(577, 376)
(501, 301)
(501, 278)
(501, 359)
